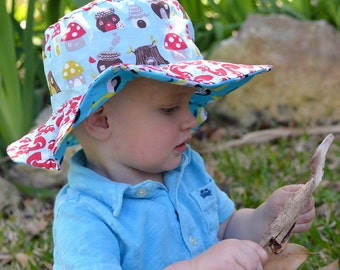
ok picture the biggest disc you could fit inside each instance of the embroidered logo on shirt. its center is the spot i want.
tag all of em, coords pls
(205, 192)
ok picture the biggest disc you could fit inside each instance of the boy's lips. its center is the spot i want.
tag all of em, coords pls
(183, 146)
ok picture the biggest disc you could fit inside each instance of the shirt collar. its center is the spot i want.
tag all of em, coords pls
(112, 193)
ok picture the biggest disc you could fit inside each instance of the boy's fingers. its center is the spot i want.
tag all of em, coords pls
(260, 251)
(263, 256)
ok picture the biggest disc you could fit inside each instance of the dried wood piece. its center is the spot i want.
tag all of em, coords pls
(278, 234)
(266, 135)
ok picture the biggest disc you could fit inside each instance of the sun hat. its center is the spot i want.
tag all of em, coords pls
(91, 53)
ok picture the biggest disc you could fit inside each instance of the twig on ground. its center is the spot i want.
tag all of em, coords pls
(268, 135)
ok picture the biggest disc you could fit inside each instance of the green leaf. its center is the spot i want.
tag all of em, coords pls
(9, 81)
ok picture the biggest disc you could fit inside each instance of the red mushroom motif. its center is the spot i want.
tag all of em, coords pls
(56, 30)
(177, 46)
(73, 37)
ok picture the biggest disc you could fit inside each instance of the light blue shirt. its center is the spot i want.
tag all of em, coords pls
(101, 224)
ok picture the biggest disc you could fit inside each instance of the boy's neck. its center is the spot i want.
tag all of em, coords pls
(126, 174)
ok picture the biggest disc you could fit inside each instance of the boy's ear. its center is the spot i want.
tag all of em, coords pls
(96, 125)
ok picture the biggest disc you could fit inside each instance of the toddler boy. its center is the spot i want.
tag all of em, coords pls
(128, 83)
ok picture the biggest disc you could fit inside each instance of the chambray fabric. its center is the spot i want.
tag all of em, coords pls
(102, 224)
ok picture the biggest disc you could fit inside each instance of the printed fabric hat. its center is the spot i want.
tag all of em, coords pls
(91, 53)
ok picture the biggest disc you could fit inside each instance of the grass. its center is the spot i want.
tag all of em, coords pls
(25, 236)
(248, 173)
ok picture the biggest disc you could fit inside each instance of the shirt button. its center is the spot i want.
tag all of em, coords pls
(192, 240)
(141, 192)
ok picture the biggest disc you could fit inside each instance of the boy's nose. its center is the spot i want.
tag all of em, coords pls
(190, 121)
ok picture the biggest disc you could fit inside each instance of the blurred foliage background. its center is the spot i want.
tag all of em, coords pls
(23, 90)
(215, 20)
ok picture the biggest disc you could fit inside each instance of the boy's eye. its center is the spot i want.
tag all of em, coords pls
(170, 109)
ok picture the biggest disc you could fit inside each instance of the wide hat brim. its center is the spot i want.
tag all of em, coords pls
(45, 146)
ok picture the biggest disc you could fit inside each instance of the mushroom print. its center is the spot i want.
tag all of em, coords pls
(176, 45)
(162, 9)
(137, 16)
(107, 59)
(107, 20)
(46, 47)
(180, 8)
(73, 37)
(149, 55)
(56, 32)
(73, 73)
(52, 85)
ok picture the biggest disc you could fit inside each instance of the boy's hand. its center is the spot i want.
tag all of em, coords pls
(278, 199)
(231, 254)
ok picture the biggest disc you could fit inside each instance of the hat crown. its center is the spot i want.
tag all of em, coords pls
(85, 42)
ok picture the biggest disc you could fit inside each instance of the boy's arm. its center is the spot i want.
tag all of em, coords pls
(245, 224)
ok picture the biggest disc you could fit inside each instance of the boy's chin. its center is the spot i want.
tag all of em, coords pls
(173, 165)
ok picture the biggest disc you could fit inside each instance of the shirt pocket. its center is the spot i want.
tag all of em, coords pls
(206, 199)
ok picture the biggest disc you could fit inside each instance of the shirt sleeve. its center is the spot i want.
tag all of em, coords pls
(82, 240)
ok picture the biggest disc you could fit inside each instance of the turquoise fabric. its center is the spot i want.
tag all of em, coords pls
(101, 224)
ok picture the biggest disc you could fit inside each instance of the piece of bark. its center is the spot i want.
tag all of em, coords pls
(278, 234)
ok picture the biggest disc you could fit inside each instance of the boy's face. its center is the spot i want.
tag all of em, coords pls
(151, 122)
